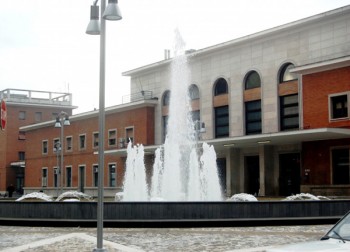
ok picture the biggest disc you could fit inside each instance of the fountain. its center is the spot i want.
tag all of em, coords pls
(183, 169)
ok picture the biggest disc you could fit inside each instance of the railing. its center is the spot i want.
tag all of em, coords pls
(37, 97)
(142, 95)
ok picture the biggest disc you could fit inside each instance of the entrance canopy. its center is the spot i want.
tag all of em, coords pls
(279, 138)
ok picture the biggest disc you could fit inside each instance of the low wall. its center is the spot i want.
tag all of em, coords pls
(174, 213)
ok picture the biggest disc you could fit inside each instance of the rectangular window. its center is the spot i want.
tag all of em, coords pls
(129, 133)
(21, 155)
(69, 143)
(340, 166)
(56, 171)
(95, 175)
(22, 115)
(82, 142)
(44, 147)
(68, 176)
(289, 112)
(44, 177)
(165, 126)
(38, 116)
(339, 106)
(54, 116)
(253, 117)
(22, 135)
(112, 175)
(95, 140)
(56, 145)
(112, 137)
(221, 122)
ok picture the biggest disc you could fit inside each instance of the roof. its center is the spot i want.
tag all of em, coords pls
(95, 113)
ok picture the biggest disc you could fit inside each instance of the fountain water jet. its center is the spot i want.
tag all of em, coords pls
(180, 172)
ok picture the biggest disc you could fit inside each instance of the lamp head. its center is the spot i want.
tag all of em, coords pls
(57, 123)
(112, 11)
(66, 121)
(93, 27)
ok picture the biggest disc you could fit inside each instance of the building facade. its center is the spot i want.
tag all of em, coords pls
(274, 103)
(270, 105)
(24, 107)
(130, 122)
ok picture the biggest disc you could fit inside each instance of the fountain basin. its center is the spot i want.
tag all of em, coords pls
(173, 214)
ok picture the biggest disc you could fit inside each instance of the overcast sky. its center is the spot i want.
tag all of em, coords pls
(43, 45)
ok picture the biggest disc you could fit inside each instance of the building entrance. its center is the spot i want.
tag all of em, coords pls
(289, 181)
(252, 174)
(81, 178)
(221, 163)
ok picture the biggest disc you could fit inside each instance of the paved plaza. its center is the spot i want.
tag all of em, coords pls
(38, 239)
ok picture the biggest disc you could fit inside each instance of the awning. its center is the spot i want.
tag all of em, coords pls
(275, 139)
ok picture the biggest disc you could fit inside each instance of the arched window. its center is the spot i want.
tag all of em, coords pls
(252, 80)
(193, 92)
(166, 98)
(285, 74)
(220, 87)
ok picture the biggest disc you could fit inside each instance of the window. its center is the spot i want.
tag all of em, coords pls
(193, 92)
(69, 141)
(44, 147)
(54, 116)
(166, 98)
(252, 80)
(220, 87)
(112, 137)
(165, 126)
(221, 122)
(68, 176)
(56, 145)
(95, 140)
(95, 175)
(56, 171)
(195, 115)
(340, 166)
(289, 112)
(286, 75)
(22, 135)
(339, 106)
(21, 155)
(112, 175)
(22, 115)
(82, 142)
(129, 135)
(253, 117)
(38, 116)
(44, 177)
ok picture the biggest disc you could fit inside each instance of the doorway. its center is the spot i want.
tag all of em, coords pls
(252, 174)
(81, 178)
(289, 181)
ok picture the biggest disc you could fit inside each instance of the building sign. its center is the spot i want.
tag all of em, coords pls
(3, 115)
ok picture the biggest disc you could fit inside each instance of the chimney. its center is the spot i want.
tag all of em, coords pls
(166, 54)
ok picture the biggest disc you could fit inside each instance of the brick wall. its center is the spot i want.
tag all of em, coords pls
(140, 119)
(316, 89)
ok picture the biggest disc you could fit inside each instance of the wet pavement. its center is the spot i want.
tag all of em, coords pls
(39, 239)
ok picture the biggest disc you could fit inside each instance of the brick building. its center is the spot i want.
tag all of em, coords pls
(275, 106)
(133, 121)
(24, 107)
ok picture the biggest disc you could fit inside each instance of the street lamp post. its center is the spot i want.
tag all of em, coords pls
(112, 12)
(57, 149)
(61, 120)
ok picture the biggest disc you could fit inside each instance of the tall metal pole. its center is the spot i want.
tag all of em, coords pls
(101, 131)
(61, 168)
